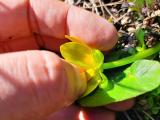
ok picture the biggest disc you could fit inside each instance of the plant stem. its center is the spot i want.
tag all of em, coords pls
(130, 59)
(148, 115)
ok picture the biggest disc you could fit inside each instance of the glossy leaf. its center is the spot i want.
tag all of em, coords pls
(141, 77)
(81, 55)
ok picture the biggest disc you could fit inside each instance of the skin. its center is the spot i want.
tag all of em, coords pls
(34, 83)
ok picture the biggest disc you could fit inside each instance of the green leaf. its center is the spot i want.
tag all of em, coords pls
(139, 4)
(127, 60)
(140, 35)
(155, 110)
(81, 55)
(104, 81)
(149, 3)
(116, 55)
(141, 77)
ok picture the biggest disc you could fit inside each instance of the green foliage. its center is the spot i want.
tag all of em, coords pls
(142, 76)
(127, 60)
(149, 3)
(152, 102)
(140, 36)
(139, 4)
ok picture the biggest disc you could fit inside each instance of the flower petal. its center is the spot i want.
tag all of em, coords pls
(90, 73)
(77, 54)
(81, 55)
(92, 84)
(74, 39)
(98, 58)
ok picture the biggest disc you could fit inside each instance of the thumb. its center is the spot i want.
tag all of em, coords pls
(35, 84)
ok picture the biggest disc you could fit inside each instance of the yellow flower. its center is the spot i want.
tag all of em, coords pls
(86, 58)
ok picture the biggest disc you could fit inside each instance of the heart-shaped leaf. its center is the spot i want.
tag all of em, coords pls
(141, 77)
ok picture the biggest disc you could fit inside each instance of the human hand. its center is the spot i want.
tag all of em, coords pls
(34, 83)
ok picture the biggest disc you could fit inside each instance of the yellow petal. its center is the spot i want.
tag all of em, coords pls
(74, 39)
(92, 84)
(98, 58)
(81, 55)
(90, 73)
(77, 54)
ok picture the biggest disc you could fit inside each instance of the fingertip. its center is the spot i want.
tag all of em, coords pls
(77, 113)
(121, 106)
(98, 114)
(74, 21)
(109, 38)
(69, 113)
(93, 29)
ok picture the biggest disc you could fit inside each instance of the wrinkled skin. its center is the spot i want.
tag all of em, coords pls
(34, 83)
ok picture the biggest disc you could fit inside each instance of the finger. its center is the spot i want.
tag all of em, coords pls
(71, 20)
(76, 113)
(68, 113)
(20, 19)
(35, 84)
(29, 43)
(99, 114)
(13, 22)
(122, 106)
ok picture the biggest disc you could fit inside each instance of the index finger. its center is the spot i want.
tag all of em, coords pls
(51, 20)
(70, 20)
